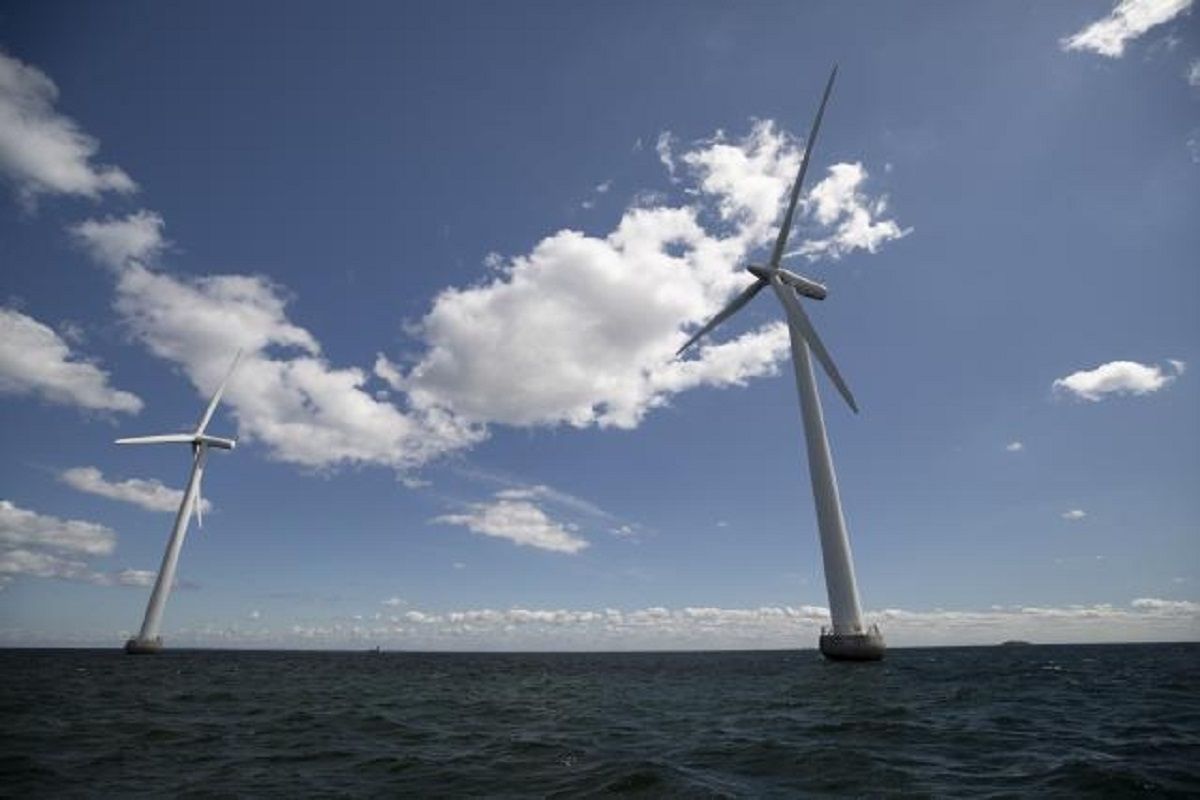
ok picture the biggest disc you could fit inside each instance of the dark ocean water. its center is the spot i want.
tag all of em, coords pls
(1069, 721)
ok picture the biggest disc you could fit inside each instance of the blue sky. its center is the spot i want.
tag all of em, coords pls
(459, 243)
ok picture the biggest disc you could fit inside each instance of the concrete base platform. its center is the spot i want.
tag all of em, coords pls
(143, 647)
(867, 646)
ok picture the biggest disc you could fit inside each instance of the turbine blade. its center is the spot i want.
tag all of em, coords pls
(786, 228)
(745, 297)
(801, 323)
(199, 503)
(216, 398)
(166, 438)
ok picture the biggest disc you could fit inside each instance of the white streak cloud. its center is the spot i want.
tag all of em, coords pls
(36, 360)
(1074, 514)
(1118, 377)
(42, 546)
(513, 515)
(135, 577)
(21, 528)
(1128, 20)
(149, 494)
(42, 151)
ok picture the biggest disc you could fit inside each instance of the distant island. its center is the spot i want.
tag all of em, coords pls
(1015, 643)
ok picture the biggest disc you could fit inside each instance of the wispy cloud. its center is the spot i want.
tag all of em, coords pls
(1193, 73)
(34, 360)
(42, 151)
(858, 222)
(514, 514)
(148, 494)
(21, 527)
(1128, 20)
(1074, 514)
(43, 546)
(1014, 447)
(1119, 377)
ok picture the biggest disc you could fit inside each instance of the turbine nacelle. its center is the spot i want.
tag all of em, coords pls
(805, 286)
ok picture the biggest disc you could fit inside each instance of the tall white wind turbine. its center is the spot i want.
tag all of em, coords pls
(149, 640)
(846, 639)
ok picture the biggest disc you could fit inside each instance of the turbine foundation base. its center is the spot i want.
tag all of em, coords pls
(867, 646)
(143, 647)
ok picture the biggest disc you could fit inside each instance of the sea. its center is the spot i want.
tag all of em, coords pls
(1012, 721)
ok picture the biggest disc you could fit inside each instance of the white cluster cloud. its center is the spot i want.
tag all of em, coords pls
(1119, 377)
(514, 515)
(706, 628)
(285, 395)
(116, 241)
(749, 179)
(42, 546)
(42, 151)
(36, 360)
(857, 220)
(582, 330)
(149, 494)
(1128, 20)
(1193, 73)
(1015, 447)
(21, 528)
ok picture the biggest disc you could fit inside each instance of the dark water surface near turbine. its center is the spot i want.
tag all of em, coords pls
(1105, 721)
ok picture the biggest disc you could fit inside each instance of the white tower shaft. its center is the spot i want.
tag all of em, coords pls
(166, 572)
(835, 544)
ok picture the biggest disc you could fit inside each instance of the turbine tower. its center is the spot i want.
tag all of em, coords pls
(149, 640)
(846, 639)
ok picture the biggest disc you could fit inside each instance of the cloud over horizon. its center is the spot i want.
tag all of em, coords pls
(1145, 619)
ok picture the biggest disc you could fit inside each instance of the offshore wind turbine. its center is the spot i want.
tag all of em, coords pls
(846, 639)
(148, 639)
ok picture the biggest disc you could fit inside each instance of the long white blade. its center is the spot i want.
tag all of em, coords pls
(199, 502)
(745, 297)
(781, 240)
(216, 398)
(800, 321)
(166, 438)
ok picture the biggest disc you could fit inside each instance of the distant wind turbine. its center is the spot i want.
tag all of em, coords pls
(149, 640)
(847, 639)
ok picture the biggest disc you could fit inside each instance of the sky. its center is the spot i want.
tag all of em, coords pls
(459, 244)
